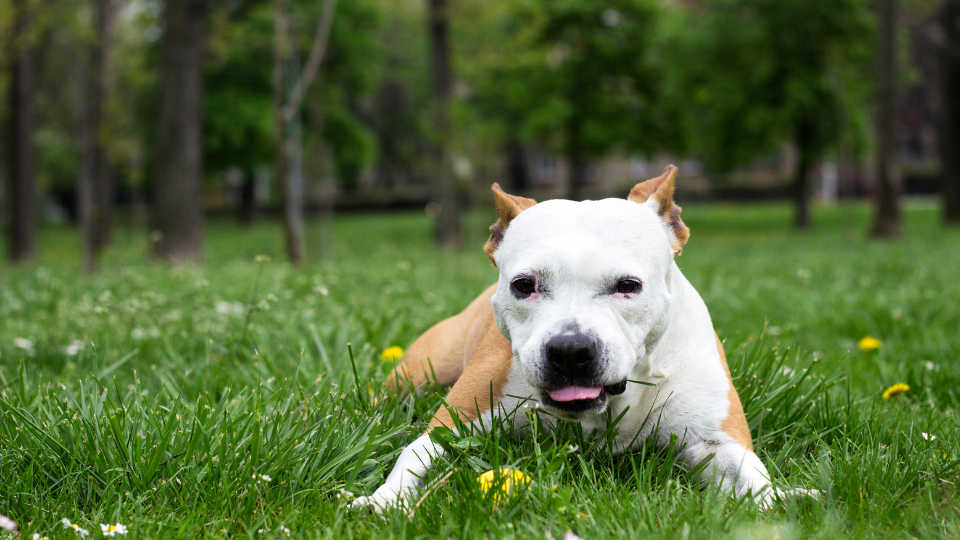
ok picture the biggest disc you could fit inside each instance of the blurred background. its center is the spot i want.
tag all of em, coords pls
(156, 116)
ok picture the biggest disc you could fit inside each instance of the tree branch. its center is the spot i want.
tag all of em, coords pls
(317, 52)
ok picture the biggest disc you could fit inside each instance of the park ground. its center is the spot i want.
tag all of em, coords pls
(221, 400)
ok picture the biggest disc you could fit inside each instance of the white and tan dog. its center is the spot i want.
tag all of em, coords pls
(589, 298)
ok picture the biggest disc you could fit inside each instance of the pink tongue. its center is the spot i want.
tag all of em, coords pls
(574, 393)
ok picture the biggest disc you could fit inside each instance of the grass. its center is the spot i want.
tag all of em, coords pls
(164, 399)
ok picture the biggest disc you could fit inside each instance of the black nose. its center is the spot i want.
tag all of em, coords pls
(571, 353)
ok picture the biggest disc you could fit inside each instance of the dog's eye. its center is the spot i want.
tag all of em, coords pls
(627, 286)
(523, 286)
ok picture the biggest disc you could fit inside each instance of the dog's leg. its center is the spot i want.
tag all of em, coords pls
(734, 467)
(440, 351)
(470, 398)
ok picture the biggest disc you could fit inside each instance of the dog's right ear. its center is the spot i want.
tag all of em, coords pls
(508, 207)
(659, 191)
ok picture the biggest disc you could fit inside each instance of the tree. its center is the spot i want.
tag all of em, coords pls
(448, 222)
(751, 74)
(950, 126)
(289, 93)
(238, 108)
(23, 217)
(886, 218)
(575, 75)
(177, 206)
(96, 188)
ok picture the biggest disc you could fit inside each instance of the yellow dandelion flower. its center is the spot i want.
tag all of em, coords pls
(391, 354)
(502, 481)
(895, 390)
(868, 344)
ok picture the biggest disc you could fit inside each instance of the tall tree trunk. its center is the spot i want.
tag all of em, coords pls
(448, 222)
(86, 181)
(248, 198)
(950, 127)
(886, 218)
(177, 205)
(106, 189)
(801, 182)
(578, 167)
(23, 203)
(282, 45)
(290, 86)
(96, 186)
(519, 175)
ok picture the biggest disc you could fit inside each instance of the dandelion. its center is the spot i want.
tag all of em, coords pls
(113, 530)
(868, 344)
(67, 524)
(391, 354)
(895, 390)
(502, 481)
(929, 437)
(7, 524)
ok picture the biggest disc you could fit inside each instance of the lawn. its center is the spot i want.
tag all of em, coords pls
(221, 400)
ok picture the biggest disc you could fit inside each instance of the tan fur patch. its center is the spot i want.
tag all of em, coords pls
(735, 424)
(508, 208)
(487, 372)
(440, 350)
(661, 189)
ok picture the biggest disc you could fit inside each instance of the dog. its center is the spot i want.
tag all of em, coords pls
(589, 300)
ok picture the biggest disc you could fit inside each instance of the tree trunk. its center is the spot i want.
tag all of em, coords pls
(106, 189)
(448, 222)
(96, 186)
(290, 86)
(950, 127)
(578, 167)
(177, 205)
(281, 51)
(248, 198)
(519, 175)
(23, 203)
(86, 181)
(886, 220)
(288, 134)
(801, 182)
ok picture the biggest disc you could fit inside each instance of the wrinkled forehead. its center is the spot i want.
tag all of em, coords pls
(615, 234)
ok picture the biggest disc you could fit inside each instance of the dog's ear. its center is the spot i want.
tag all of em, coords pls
(508, 207)
(659, 191)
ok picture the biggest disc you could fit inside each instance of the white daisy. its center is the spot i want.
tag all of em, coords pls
(113, 530)
(67, 524)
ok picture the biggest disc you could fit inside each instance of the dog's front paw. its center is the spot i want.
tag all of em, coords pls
(383, 498)
(769, 496)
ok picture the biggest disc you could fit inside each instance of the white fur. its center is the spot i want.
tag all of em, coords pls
(662, 335)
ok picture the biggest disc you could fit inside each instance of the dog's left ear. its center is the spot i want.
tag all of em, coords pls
(508, 207)
(659, 192)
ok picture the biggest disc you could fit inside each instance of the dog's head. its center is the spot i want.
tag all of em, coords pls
(582, 295)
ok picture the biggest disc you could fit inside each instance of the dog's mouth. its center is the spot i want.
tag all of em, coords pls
(581, 399)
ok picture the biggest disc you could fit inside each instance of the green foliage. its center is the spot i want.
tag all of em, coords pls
(575, 74)
(238, 106)
(185, 384)
(746, 75)
(238, 100)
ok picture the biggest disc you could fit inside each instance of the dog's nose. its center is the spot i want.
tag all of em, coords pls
(571, 353)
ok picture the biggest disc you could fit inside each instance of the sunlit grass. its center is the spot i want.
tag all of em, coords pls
(221, 400)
